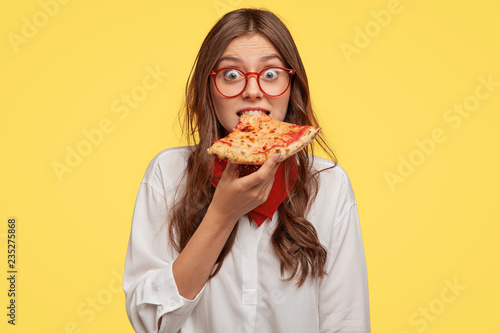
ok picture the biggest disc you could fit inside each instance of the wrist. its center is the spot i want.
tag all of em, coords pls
(220, 218)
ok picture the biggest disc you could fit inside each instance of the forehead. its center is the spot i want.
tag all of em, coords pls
(250, 48)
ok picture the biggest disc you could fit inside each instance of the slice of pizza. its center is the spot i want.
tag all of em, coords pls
(258, 137)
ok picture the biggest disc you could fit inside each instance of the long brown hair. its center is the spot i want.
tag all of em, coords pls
(294, 240)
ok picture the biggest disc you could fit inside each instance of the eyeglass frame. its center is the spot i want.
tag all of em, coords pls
(290, 73)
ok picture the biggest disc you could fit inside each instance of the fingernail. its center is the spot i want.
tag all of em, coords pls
(276, 157)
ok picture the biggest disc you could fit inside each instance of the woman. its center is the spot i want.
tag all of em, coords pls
(196, 261)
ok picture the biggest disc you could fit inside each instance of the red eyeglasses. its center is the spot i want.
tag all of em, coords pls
(272, 81)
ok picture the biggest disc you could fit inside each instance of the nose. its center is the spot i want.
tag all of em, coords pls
(252, 90)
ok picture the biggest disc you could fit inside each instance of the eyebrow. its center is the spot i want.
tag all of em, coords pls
(238, 60)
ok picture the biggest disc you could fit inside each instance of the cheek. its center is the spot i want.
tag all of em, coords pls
(216, 100)
(282, 106)
(220, 107)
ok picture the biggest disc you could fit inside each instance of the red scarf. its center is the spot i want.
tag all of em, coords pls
(276, 196)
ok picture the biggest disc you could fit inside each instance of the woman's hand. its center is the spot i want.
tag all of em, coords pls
(235, 196)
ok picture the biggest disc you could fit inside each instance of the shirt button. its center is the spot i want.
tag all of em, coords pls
(173, 302)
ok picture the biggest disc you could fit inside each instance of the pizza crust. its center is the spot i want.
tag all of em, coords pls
(298, 145)
(249, 142)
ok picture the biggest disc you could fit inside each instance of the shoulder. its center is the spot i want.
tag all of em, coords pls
(335, 193)
(333, 177)
(166, 168)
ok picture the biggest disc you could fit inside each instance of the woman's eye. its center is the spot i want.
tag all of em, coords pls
(232, 74)
(271, 74)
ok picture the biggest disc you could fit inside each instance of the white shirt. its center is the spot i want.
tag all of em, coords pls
(247, 295)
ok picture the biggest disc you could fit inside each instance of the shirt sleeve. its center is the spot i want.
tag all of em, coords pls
(343, 295)
(150, 289)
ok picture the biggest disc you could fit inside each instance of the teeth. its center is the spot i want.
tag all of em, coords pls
(252, 112)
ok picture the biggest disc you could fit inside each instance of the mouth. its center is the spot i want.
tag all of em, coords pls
(252, 112)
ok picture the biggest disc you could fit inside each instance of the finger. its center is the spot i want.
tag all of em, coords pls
(264, 175)
(271, 165)
(230, 172)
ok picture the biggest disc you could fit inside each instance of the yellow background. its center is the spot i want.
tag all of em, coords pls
(437, 226)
